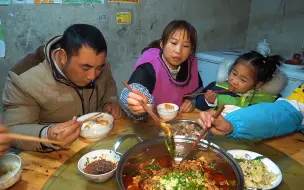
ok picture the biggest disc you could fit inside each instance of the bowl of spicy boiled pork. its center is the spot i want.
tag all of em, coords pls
(98, 165)
(184, 127)
(148, 165)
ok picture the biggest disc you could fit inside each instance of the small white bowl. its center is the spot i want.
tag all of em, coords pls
(229, 109)
(165, 114)
(109, 155)
(10, 178)
(95, 131)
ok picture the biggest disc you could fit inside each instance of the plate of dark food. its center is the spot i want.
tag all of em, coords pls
(98, 165)
(295, 63)
(184, 127)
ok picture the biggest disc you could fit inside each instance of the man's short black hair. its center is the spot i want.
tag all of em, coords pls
(78, 35)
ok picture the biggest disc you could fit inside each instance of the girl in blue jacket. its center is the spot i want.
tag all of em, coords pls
(260, 121)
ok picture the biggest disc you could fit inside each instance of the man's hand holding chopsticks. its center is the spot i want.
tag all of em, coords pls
(66, 132)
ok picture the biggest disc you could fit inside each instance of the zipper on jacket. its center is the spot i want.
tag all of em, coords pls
(91, 97)
(76, 89)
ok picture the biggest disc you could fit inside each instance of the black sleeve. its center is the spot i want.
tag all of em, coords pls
(210, 86)
(144, 75)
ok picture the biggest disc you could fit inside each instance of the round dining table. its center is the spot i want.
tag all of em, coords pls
(58, 170)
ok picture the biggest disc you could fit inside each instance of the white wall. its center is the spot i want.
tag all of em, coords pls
(279, 21)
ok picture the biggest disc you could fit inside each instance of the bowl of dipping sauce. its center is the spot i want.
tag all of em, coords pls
(98, 165)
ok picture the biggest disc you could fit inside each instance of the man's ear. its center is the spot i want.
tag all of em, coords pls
(63, 58)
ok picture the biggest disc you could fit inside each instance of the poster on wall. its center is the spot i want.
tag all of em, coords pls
(83, 1)
(123, 17)
(123, 1)
(2, 44)
(5, 2)
(37, 1)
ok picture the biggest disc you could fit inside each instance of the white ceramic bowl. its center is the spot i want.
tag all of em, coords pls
(109, 155)
(167, 114)
(292, 67)
(271, 166)
(229, 109)
(15, 164)
(92, 130)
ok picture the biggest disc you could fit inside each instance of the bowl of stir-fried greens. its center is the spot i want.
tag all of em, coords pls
(259, 171)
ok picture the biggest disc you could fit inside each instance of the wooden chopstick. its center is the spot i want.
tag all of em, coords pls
(95, 116)
(204, 133)
(92, 117)
(165, 126)
(33, 139)
(43, 140)
(198, 94)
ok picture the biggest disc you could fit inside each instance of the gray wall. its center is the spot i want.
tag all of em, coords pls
(281, 22)
(221, 24)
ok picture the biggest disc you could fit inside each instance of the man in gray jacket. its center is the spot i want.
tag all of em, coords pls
(47, 90)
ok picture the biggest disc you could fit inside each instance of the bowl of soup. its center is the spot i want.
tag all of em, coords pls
(148, 165)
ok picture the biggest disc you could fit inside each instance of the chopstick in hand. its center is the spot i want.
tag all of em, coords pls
(33, 139)
(153, 115)
(30, 138)
(204, 133)
(198, 94)
(169, 141)
(164, 126)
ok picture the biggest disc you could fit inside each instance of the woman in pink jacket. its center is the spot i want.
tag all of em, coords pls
(165, 72)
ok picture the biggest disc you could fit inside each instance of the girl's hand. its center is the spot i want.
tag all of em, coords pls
(210, 96)
(186, 106)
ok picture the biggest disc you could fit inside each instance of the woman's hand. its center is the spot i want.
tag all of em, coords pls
(134, 105)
